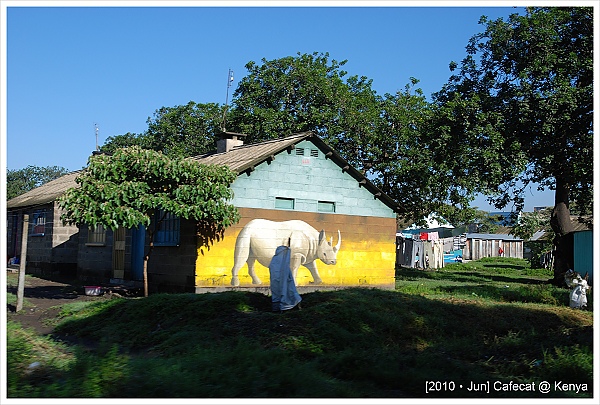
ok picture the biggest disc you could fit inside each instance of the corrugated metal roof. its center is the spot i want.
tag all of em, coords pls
(240, 159)
(582, 224)
(244, 157)
(491, 236)
(45, 193)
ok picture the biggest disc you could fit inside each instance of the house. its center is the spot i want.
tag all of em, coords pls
(581, 238)
(297, 177)
(301, 177)
(479, 245)
(51, 245)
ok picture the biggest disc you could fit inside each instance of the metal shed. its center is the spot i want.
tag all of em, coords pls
(479, 245)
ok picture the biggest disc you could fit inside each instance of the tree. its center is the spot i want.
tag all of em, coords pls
(185, 130)
(22, 180)
(522, 105)
(384, 137)
(113, 143)
(182, 130)
(528, 224)
(290, 95)
(404, 160)
(136, 186)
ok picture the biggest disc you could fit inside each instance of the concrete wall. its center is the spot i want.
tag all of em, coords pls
(65, 239)
(55, 250)
(366, 256)
(171, 268)
(94, 262)
(306, 179)
(367, 226)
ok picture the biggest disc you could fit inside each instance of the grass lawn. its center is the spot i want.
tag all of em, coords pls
(493, 322)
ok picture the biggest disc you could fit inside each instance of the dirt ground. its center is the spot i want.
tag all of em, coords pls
(43, 298)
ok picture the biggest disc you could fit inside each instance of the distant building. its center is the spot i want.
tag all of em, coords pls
(479, 245)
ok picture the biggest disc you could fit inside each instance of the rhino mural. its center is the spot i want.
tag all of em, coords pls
(259, 239)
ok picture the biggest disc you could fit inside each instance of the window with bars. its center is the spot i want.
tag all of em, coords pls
(38, 223)
(96, 236)
(299, 151)
(314, 153)
(166, 231)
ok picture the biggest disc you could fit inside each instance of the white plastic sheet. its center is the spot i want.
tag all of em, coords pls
(284, 294)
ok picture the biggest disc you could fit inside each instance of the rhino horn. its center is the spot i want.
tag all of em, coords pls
(337, 247)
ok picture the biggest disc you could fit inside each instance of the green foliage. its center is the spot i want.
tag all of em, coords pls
(389, 138)
(113, 143)
(35, 364)
(22, 180)
(290, 95)
(126, 188)
(185, 130)
(528, 224)
(531, 222)
(570, 364)
(180, 131)
(521, 105)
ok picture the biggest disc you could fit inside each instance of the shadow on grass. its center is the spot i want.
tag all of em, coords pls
(348, 343)
(47, 292)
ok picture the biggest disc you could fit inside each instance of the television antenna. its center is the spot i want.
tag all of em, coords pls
(96, 127)
(229, 82)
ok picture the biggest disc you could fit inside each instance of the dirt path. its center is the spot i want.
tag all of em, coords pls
(43, 299)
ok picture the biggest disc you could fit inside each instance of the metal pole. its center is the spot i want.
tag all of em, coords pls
(229, 81)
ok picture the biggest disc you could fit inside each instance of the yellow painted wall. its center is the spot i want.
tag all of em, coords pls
(366, 256)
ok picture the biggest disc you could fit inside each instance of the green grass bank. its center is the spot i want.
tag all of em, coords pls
(493, 321)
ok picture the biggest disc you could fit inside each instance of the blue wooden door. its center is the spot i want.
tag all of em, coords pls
(138, 240)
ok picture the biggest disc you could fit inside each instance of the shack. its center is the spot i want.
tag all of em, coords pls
(479, 245)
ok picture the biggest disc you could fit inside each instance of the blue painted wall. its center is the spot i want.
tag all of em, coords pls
(583, 253)
(307, 179)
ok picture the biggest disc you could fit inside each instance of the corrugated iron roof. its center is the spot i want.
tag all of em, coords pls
(491, 236)
(45, 193)
(240, 159)
(246, 157)
(582, 223)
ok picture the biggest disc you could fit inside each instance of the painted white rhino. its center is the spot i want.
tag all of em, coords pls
(259, 239)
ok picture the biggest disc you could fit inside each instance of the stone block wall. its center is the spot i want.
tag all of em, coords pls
(171, 268)
(94, 260)
(54, 250)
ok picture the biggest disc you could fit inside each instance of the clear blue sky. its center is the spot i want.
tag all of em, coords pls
(69, 68)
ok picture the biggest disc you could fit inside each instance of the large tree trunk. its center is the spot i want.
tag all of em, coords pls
(560, 221)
